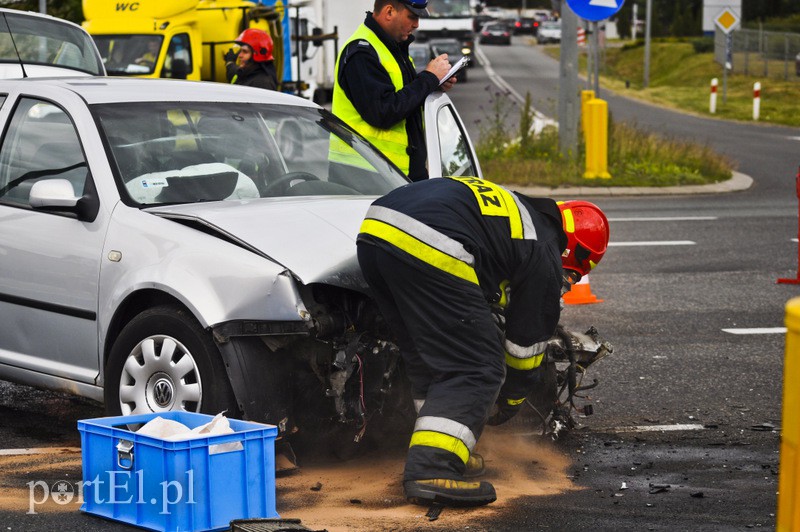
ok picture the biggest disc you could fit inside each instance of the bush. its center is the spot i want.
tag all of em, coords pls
(703, 45)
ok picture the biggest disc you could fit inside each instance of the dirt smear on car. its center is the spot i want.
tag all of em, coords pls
(366, 494)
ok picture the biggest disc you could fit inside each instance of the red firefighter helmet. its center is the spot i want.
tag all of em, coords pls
(587, 233)
(259, 41)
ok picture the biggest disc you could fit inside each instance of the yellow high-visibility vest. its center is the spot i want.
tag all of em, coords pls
(392, 142)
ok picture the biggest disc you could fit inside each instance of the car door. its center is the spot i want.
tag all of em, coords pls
(450, 150)
(50, 260)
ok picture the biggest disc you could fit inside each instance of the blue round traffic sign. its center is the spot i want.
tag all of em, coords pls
(595, 10)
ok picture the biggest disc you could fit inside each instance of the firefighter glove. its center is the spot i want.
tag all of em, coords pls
(230, 56)
(504, 409)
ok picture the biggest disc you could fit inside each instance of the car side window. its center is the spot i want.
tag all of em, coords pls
(40, 143)
(453, 146)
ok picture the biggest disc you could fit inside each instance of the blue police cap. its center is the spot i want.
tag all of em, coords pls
(418, 7)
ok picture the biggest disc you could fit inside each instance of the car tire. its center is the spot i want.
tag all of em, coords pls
(163, 360)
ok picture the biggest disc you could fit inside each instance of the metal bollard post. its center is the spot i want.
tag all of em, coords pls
(712, 101)
(586, 97)
(796, 280)
(756, 100)
(789, 476)
(597, 140)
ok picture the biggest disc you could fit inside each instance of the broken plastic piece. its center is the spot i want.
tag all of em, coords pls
(434, 511)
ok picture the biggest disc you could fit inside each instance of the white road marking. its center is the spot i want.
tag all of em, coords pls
(661, 428)
(665, 219)
(762, 330)
(539, 119)
(653, 243)
(39, 450)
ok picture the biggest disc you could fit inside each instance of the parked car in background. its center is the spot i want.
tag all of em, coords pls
(454, 50)
(479, 21)
(421, 54)
(36, 45)
(496, 33)
(549, 31)
(526, 26)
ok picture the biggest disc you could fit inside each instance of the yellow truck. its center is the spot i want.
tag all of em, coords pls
(183, 39)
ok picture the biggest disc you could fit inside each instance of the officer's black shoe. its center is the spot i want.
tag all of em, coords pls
(449, 492)
(475, 467)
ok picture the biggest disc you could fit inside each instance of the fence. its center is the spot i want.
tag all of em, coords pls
(767, 54)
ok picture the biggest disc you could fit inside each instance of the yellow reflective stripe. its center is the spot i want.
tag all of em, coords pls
(503, 303)
(515, 402)
(440, 441)
(569, 221)
(514, 219)
(416, 248)
(524, 364)
(528, 230)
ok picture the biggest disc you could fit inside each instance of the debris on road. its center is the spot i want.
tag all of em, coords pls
(658, 488)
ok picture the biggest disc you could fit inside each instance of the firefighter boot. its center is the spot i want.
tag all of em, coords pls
(475, 467)
(449, 492)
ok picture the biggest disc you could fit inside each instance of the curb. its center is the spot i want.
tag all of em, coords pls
(736, 183)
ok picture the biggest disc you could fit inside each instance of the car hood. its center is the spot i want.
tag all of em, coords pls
(314, 238)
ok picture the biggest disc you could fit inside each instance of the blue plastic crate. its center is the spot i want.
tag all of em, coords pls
(176, 485)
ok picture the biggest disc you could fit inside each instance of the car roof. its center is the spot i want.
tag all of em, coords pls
(95, 90)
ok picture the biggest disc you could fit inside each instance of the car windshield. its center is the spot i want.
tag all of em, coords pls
(129, 55)
(195, 152)
(551, 25)
(44, 41)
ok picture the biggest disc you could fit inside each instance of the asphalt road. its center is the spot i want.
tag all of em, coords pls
(682, 273)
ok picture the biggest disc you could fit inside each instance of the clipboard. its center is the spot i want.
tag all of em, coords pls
(460, 65)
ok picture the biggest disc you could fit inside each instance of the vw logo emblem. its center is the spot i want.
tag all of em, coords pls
(162, 393)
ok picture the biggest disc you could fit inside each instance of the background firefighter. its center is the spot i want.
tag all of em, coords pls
(441, 257)
(254, 65)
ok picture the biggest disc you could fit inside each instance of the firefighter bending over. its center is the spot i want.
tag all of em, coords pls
(439, 256)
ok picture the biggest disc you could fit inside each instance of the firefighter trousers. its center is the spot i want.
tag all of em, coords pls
(452, 353)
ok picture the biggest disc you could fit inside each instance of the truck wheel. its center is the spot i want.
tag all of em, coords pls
(163, 360)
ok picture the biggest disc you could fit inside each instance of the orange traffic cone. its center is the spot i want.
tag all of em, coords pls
(581, 293)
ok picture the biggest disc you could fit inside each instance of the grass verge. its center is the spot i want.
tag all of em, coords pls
(636, 157)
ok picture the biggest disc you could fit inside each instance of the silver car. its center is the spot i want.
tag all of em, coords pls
(183, 245)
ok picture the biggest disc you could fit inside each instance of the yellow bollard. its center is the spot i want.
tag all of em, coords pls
(586, 97)
(788, 487)
(597, 139)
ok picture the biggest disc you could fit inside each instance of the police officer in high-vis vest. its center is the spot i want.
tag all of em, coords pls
(445, 260)
(377, 90)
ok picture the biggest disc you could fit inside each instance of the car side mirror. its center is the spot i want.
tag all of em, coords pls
(53, 194)
(59, 196)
